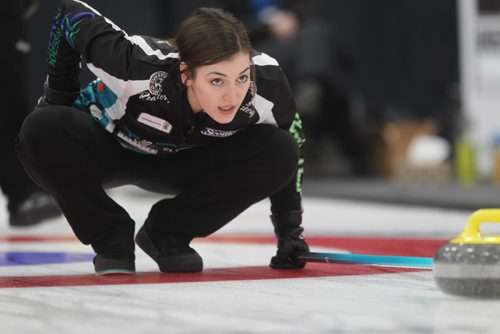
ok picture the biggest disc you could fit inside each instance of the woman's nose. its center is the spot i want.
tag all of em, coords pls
(230, 93)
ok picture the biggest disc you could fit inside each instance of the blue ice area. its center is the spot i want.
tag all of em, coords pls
(34, 258)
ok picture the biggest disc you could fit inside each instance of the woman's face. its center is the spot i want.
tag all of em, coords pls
(219, 89)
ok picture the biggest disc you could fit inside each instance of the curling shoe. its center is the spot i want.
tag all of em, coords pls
(35, 209)
(114, 264)
(171, 252)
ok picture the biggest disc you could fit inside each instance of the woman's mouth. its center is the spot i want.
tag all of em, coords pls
(227, 109)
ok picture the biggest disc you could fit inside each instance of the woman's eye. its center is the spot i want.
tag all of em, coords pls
(243, 79)
(216, 82)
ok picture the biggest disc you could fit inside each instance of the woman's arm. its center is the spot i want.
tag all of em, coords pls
(79, 33)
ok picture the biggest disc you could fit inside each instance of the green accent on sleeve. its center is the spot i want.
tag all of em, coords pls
(298, 177)
(54, 48)
(73, 31)
(296, 131)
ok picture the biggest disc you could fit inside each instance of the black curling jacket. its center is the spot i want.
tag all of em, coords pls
(138, 97)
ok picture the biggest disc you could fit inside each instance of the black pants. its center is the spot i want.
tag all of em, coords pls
(74, 159)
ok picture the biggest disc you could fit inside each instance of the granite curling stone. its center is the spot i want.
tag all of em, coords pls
(469, 265)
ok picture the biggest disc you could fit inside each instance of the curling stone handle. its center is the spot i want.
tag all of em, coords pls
(472, 233)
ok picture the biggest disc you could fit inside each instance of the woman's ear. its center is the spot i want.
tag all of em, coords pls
(184, 73)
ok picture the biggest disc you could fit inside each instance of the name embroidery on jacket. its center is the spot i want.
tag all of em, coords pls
(217, 133)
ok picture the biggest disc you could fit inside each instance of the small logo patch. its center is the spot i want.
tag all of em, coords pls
(155, 82)
(155, 122)
(155, 91)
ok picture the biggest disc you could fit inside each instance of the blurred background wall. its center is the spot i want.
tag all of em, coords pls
(381, 85)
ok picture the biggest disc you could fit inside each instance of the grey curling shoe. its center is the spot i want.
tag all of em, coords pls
(108, 264)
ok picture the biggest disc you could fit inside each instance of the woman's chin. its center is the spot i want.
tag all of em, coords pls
(224, 119)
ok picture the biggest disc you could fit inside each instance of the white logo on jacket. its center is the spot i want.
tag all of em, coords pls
(217, 133)
(155, 91)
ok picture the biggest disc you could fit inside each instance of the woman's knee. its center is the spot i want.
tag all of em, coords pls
(41, 131)
(281, 152)
(286, 148)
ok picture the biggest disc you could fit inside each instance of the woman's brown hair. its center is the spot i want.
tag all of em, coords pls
(209, 36)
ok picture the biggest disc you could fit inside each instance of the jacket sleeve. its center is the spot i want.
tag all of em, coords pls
(80, 33)
(289, 198)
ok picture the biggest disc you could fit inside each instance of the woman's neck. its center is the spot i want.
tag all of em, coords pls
(193, 101)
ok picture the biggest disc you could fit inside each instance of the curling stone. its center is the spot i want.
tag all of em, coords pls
(469, 265)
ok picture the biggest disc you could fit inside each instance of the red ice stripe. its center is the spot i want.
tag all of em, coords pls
(208, 275)
(37, 238)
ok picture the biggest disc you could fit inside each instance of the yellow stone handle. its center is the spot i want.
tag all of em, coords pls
(472, 234)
